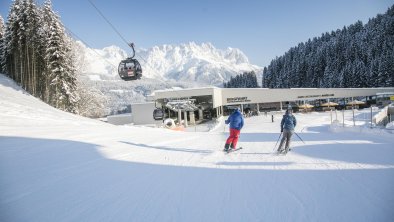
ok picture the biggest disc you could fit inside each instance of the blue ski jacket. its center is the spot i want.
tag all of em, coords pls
(288, 122)
(236, 120)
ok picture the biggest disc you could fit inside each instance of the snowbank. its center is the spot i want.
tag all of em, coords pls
(390, 126)
(337, 127)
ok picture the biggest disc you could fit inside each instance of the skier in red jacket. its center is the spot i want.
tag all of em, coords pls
(236, 121)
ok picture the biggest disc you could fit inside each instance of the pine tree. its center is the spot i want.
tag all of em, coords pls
(92, 102)
(386, 70)
(34, 63)
(20, 54)
(2, 30)
(1, 27)
(10, 58)
(264, 82)
(60, 71)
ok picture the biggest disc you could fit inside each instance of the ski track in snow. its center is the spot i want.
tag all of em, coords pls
(55, 166)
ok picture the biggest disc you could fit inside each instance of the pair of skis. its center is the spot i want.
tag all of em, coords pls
(232, 150)
(283, 153)
(239, 148)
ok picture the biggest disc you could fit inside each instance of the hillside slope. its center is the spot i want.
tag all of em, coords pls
(55, 166)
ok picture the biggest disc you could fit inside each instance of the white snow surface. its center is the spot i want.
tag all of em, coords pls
(56, 166)
(390, 125)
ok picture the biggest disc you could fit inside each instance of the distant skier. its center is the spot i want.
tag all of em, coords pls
(236, 121)
(288, 106)
(287, 126)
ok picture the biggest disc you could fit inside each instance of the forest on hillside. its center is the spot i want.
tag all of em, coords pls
(244, 80)
(355, 56)
(38, 54)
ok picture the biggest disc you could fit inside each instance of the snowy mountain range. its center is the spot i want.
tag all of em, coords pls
(190, 62)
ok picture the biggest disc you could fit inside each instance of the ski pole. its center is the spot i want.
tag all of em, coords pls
(299, 137)
(277, 141)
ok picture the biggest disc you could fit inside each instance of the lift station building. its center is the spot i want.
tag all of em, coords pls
(199, 104)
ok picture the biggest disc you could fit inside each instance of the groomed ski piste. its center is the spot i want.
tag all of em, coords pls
(56, 166)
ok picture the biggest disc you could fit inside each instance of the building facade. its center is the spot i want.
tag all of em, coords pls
(211, 102)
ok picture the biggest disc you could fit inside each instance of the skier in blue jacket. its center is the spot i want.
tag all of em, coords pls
(236, 121)
(287, 126)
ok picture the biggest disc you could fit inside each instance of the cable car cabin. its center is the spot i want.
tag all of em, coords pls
(130, 69)
(158, 114)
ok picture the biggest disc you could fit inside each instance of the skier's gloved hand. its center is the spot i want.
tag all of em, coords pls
(281, 130)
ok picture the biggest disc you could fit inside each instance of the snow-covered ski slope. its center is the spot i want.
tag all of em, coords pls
(56, 166)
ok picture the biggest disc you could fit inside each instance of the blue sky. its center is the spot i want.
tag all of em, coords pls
(262, 29)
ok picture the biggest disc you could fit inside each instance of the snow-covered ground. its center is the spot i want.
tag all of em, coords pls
(55, 166)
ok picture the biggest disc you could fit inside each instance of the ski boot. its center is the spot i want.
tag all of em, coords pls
(226, 147)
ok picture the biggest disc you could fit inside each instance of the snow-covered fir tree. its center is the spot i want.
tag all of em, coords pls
(1, 27)
(10, 44)
(1, 42)
(91, 101)
(60, 70)
(33, 49)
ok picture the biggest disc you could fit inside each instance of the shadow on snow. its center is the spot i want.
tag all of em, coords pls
(188, 150)
(59, 180)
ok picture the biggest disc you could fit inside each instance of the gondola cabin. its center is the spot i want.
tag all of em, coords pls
(158, 114)
(130, 69)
